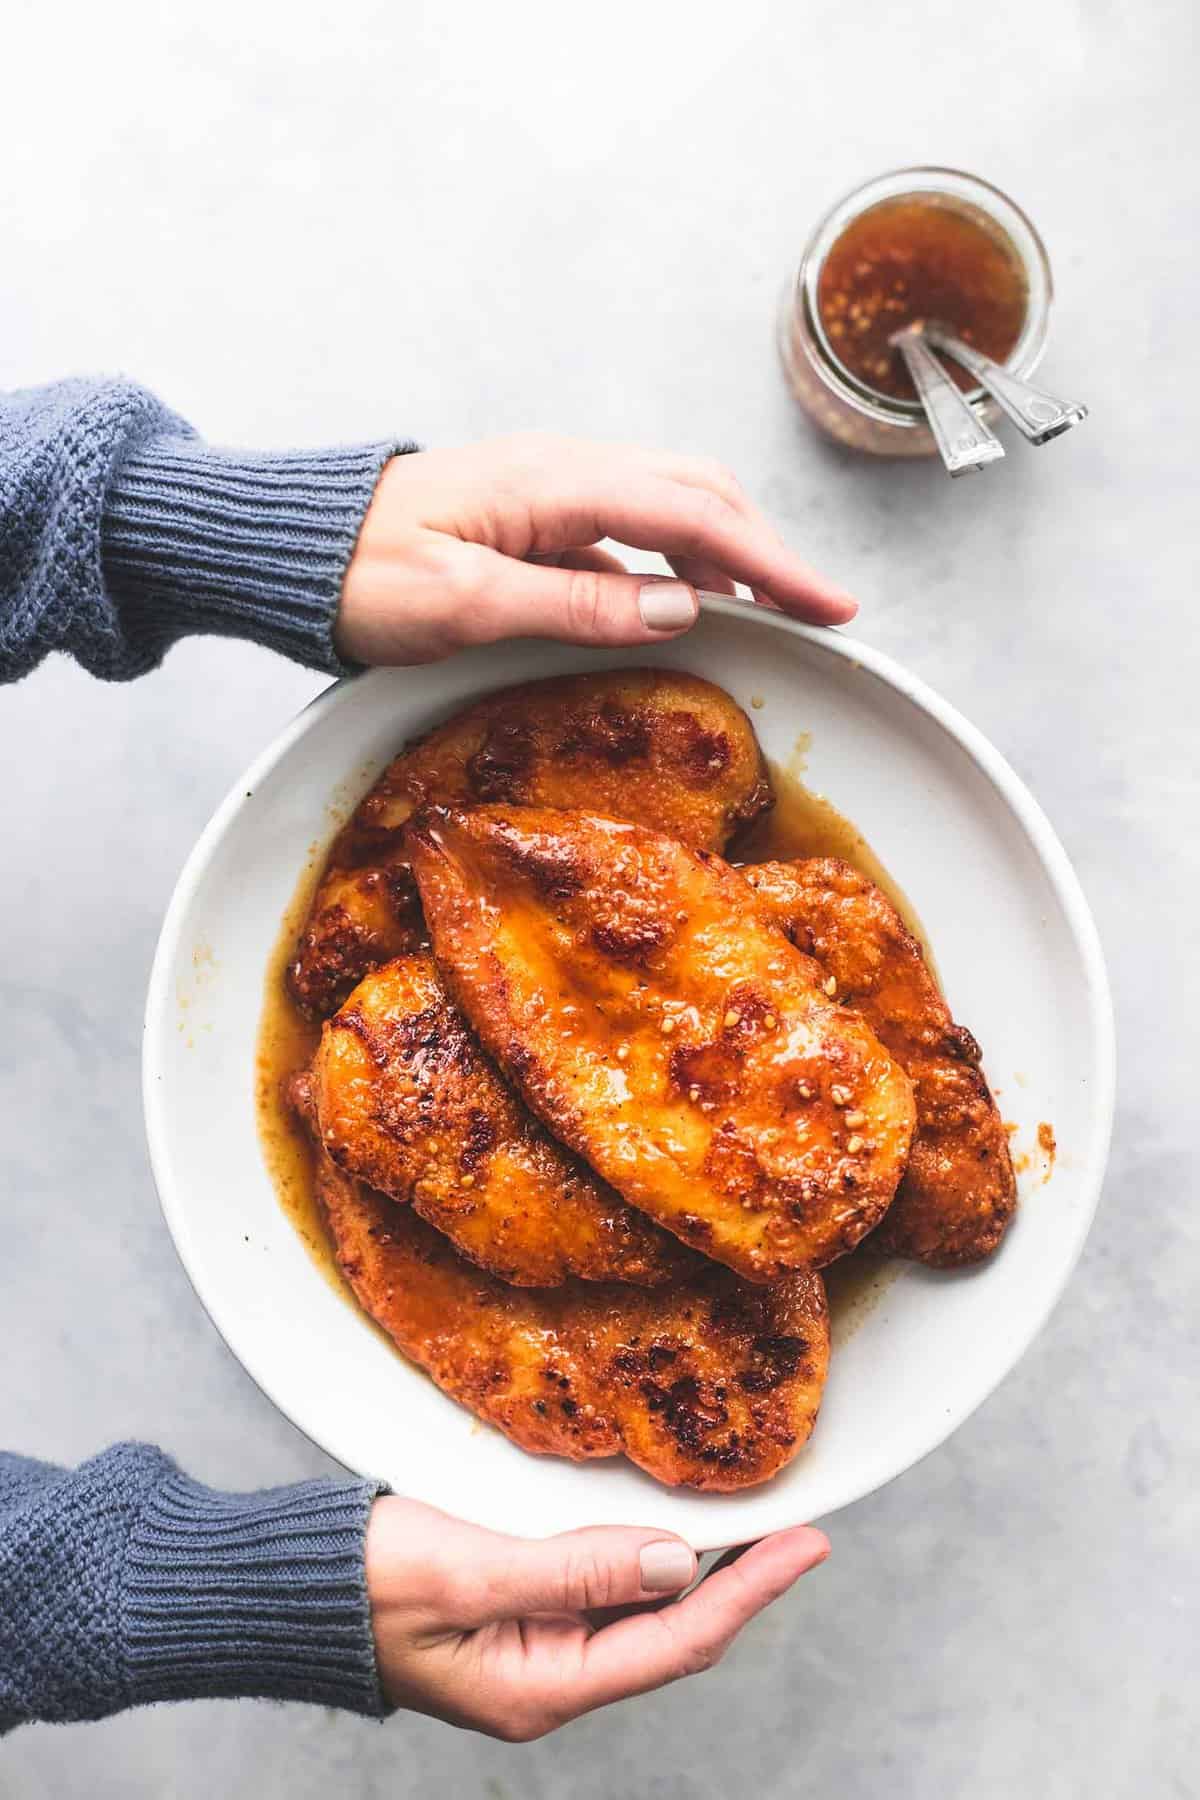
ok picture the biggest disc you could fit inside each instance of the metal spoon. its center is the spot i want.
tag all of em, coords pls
(1041, 416)
(963, 439)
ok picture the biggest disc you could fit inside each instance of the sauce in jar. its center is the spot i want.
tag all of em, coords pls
(918, 257)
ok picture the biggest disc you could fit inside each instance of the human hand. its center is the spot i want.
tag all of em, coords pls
(498, 540)
(492, 1633)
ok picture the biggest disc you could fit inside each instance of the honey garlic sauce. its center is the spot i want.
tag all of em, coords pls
(286, 1042)
(919, 257)
(801, 824)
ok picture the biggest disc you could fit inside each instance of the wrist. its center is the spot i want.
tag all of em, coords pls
(376, 614)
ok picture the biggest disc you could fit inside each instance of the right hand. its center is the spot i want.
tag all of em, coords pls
(492, 1633)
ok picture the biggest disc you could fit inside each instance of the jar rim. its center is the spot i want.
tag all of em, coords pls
(894, 184)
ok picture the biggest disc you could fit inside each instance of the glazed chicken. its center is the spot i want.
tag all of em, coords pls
(359, 918)
(667, 749)
(958, 1193)
(712, 1385)
(666, 1031)
(407, 1101)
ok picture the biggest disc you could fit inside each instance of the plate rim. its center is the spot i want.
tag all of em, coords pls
(858, 654)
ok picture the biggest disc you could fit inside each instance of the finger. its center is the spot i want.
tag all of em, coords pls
(602, 561)
(580, 1570)
(696, 574)
(654, 513)
(694, 472)
(727, 1559)
(653, 1648)
(600, 1616)
(706, 472)
(702, 575)
(499, 597)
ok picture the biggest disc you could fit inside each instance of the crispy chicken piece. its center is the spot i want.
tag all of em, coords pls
(959, 1193)
(670, 750)
(360, 918)
(713, 1385)
(406, 1100)
(666, 1031)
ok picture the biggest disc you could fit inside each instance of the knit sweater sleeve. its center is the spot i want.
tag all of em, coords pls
(122, 531)
(124, 1581)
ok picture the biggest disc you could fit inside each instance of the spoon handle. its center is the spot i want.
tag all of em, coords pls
(964, 440)
(1038, 414)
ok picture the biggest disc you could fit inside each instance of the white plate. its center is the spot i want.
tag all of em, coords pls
(1018, 955)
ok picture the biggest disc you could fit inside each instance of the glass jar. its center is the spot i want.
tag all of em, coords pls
(839, 401)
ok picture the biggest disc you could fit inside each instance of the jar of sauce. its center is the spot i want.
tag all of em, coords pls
(917, 244)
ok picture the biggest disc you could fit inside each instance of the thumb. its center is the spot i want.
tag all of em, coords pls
(584, 1570)
(576, 606)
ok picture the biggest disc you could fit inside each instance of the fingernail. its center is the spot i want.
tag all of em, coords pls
(667, 605)
(666, 1567)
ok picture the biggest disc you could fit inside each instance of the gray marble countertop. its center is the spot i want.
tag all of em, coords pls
(447, 219)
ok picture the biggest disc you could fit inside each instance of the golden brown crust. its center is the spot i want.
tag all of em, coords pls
(406, 1100)
(668, 749)
(359, 918)
(959, 1192)
(665, 1031)
(714, 1385)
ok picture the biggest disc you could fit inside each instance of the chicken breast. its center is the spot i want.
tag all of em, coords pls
(668, 749)
(360, 918)
(714, 1385)
(406, 1100)
(666, 1031)
(959, 1192)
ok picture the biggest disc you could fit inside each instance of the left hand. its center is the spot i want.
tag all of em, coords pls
(498, 539)
(493, 1633)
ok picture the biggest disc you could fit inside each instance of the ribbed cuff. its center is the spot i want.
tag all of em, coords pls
(255, 546)
(251, 1594)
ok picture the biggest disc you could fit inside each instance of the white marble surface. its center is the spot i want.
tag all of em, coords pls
(302, 224)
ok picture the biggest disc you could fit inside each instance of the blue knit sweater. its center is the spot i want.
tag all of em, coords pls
(125, 1580)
